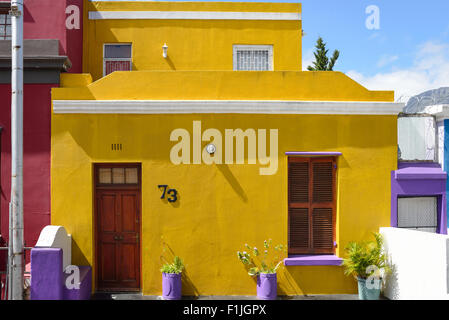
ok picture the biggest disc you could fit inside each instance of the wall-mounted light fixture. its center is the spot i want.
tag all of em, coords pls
(210, 148)
(164, 50)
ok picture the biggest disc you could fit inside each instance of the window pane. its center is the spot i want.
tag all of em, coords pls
(131, 175)
(105, 175)
(252, 60)
(112, 66)
(118, 175)
(117, 51)
(418, 213)
(416, 138)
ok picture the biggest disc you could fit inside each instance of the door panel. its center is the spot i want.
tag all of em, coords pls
(108, 262)
(118, 234)
(129, 274)
(129, 213)
(108, 211)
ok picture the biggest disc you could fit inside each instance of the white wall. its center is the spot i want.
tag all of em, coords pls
(440, 142)
(419, 262)
(57, 237)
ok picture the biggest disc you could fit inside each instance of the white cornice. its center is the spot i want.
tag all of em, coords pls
(224, 106)
(193, 15)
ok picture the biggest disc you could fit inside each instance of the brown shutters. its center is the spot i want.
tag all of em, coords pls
(311, 205)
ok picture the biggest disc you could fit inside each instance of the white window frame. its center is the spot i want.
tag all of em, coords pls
(117, 59)
(253, 47)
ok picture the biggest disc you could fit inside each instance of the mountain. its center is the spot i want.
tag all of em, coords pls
(432, 97)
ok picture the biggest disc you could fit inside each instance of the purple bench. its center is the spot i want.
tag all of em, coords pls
(48, 281)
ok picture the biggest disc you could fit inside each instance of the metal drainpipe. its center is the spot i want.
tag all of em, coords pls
(17, 267)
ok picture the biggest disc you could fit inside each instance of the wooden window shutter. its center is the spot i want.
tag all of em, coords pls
(298, 199)
(311, 198)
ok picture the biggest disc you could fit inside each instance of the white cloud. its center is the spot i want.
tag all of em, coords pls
(308, 59)
(386, 60)
(430, 70)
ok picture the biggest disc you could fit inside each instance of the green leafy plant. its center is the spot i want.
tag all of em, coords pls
(363, 256)
(176, 267)
(266, 262)
(322, 61)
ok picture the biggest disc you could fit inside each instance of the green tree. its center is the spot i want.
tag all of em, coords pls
(322, 62)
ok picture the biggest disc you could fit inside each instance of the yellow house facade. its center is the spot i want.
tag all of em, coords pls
(203, 153)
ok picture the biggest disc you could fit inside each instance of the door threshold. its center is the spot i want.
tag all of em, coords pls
(117, 295)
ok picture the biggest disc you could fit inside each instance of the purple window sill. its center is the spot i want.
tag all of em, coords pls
(300, 153)
(321, 260)
(419, 171)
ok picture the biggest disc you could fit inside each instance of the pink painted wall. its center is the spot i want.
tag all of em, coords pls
(46, 19)
(43, 19)
(36, 170)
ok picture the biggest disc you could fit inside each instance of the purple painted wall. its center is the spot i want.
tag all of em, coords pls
(85, 289)
(48, 281)
(46, 274)
(419, 180)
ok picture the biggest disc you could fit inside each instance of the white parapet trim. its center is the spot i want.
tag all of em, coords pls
(57, 237)
(225, 106)
(419, 263)
(440, 111)
(193, 15)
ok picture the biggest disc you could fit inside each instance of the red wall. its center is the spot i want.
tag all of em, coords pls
(36, 170)
(43, 19)
(46, 19)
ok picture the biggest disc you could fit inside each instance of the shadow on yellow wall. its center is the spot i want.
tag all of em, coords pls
(227, 173)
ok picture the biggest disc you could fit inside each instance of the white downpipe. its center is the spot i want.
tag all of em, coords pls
(17, 267)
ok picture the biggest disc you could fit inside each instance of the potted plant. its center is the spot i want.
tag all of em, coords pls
(171, 279)
(367, 262)
(264, 266)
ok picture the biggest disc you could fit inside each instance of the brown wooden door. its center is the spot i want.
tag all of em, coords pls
(118, 240)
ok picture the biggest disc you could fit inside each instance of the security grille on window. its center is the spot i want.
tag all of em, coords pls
(5, 26)
(253, 58)
(117, 57)
(418, 213)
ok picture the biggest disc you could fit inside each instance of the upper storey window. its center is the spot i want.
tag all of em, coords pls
(253, 57)
(116, 57)
(5, 26)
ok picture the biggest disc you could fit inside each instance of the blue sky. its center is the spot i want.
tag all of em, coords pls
(409, 53)
(404, 25)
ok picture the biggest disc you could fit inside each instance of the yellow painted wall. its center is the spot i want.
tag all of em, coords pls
(220, 85)
(192, 44)
(222, 207)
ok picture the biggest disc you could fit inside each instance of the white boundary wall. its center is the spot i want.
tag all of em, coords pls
(57, 237)
(419, 263)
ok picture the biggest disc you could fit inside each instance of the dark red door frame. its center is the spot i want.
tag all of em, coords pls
(116, 188)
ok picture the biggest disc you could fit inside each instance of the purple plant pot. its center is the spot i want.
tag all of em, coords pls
(171, 286)
(267, 286)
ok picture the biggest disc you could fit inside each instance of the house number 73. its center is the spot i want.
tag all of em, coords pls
(172, 194)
